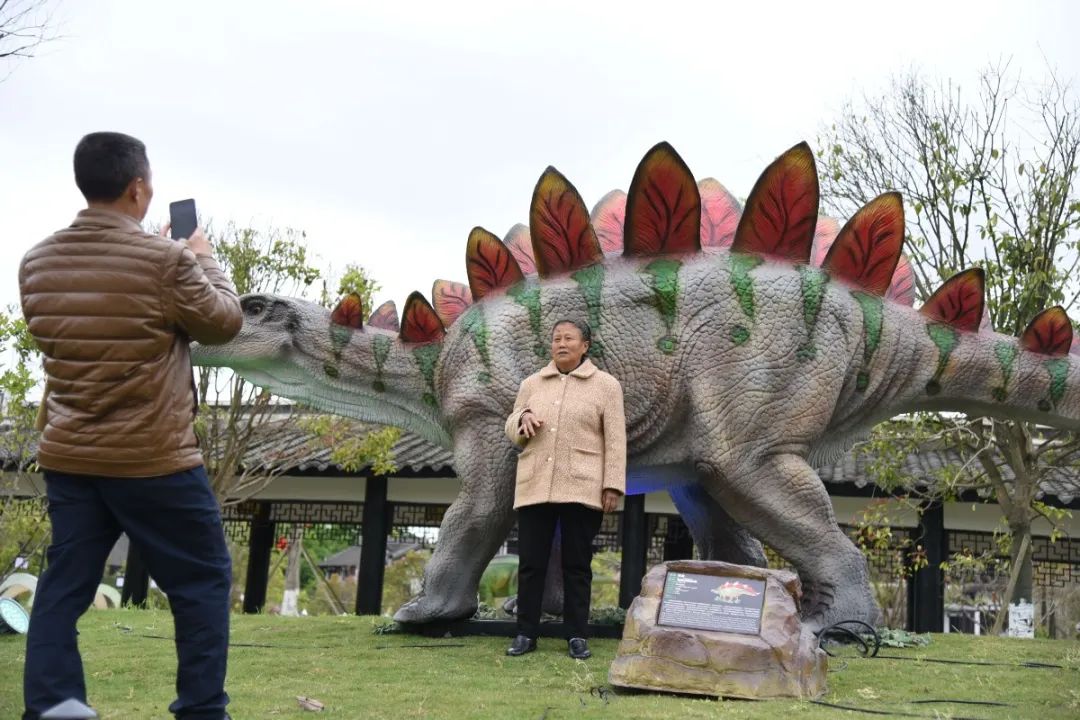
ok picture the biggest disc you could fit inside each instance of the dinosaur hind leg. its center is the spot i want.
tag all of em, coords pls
(716, 535)
(471, 532)
(783, 502)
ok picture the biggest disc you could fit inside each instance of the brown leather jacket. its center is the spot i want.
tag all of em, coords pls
(113, 309)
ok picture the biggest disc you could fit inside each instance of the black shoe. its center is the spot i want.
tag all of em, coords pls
(521, 645)
(579, 648)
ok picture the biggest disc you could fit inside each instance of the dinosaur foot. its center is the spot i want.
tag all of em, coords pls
(818, 602)
(430, 608)
(825, 603)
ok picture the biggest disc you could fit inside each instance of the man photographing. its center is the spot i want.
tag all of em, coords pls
(113, 309)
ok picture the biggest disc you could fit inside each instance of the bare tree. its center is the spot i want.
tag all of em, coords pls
(989, 179)
(25, 25)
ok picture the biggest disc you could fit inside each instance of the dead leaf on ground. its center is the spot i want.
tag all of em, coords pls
(309, 703)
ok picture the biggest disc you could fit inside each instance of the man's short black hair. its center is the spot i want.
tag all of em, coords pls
(106, 163)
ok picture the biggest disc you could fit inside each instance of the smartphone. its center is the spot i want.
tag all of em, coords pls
(183, 219)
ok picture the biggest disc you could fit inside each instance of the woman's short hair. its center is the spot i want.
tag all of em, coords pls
(581, 325)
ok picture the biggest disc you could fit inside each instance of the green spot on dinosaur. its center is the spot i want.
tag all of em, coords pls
(873, 313)
(739, 334)
(1059, 374)
(591, 281)
(528, 296)
(380, 347)
(427, 357)
(663, 276)
(813, 290)
(1005, 352)
(339, 337)
(474, 324)
(946, 339)
(812, 284)
(743, 284)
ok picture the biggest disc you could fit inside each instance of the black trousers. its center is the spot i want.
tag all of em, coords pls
(175, 521)
(536, 529)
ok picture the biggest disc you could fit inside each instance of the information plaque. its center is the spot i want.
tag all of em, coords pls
(712, 602)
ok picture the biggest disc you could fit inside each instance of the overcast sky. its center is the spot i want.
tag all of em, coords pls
(388, 130)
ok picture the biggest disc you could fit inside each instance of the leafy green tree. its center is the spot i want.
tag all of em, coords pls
(989, 179)
(24, 524)
(355, 279)
(234, 415)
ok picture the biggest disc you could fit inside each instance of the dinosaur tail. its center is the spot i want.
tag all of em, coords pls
(983, 373)
(965, 368)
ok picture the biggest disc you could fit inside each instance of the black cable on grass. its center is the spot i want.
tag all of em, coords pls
(838, 632)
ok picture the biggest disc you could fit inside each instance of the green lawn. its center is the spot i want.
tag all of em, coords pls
(358, 674)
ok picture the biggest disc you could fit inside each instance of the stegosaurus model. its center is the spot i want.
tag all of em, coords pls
(742, 362)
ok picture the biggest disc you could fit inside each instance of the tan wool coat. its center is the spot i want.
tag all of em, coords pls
(580, 450)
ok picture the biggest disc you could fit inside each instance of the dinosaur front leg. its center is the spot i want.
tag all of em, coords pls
(716, 535)
(474, 527)
(781, 500)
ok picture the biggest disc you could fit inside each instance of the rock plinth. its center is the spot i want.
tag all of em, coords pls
(781, 660)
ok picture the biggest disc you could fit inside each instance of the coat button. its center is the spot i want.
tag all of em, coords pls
(549, 459)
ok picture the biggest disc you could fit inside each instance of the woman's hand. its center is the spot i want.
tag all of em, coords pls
(610, 500)
(529, 424)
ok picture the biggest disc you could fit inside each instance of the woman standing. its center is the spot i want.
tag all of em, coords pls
(569, 418)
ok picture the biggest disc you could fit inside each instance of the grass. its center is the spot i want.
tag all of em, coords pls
(357, 674)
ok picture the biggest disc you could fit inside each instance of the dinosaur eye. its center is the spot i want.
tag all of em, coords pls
(253, 308)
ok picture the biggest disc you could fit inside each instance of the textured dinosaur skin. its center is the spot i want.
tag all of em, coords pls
(740, 372)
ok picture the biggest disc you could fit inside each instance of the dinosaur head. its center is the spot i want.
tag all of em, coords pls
(332, 361)
(274, 343)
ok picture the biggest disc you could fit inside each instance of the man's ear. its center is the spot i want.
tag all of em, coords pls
(133, 190)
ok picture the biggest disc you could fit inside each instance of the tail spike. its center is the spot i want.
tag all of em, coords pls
(489, 264)
(349, 312)
(902, 287)
(959, 301)
(867, 248)
(562, 236)
(720, 213)
(450, 299)
(824, 236)
(1049, 333)
(385, 317)
(663, 206)
(420, 324)
(518, 242)
(781, 212)
(608, 219)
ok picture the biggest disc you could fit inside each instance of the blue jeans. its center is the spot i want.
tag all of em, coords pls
(175, 521)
